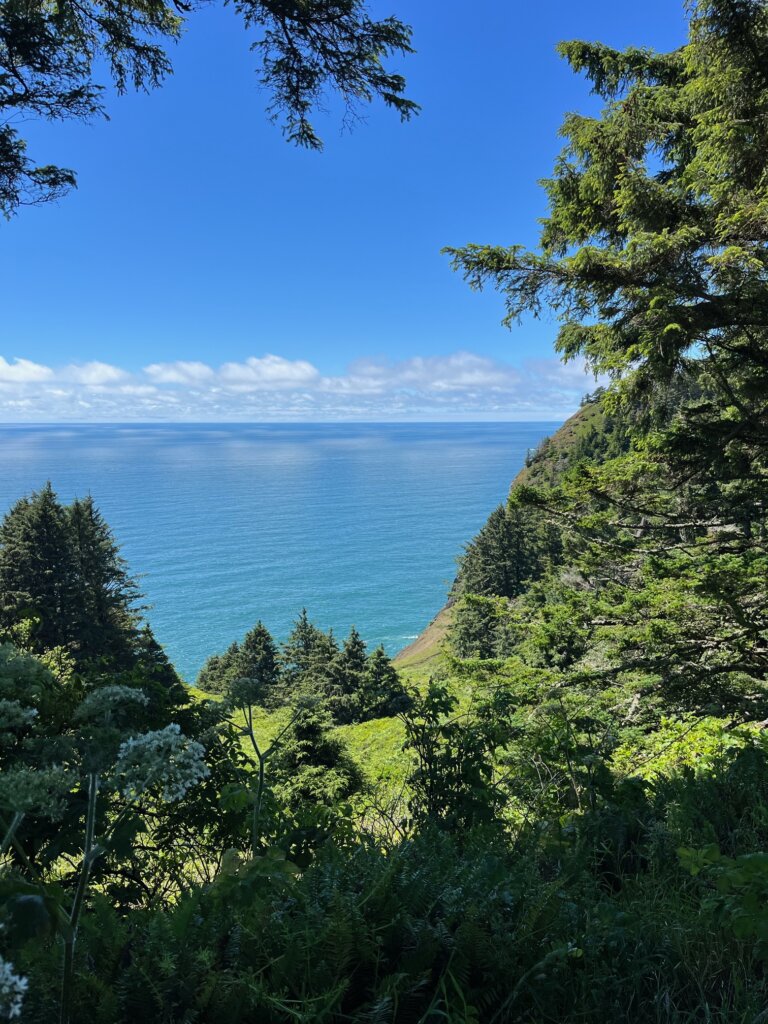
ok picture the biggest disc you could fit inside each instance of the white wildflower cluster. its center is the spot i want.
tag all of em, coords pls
(37, 791)
(164, 758)
(244, 691)
(12, 990)
(105, 700)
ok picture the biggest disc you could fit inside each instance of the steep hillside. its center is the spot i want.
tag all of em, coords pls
(590, 432)
(426, 647)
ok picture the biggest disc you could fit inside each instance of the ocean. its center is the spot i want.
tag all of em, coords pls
(225, 524)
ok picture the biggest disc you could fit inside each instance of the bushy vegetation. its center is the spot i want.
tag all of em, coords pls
(579, 828)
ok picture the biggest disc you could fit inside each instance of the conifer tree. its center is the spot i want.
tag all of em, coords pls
(301, 642)
(513, 547)
(345, 679)
(476, 626)
(153, 669)
(38, 570)
(353, 653)
(61, 571)
(311, 765)
(257, 660)
(50, 59)
(107, 615)
(654, 256)
(654, 252)
(309, 653)
(219, 670)
(383, 693)
(210, 674)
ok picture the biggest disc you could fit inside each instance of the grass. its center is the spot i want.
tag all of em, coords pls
(376, 746)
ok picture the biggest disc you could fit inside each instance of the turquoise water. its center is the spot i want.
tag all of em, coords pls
(225, 524)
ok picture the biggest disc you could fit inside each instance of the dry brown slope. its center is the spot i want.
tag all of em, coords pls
(427, 645)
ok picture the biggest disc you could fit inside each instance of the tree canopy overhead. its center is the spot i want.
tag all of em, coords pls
(51, 54)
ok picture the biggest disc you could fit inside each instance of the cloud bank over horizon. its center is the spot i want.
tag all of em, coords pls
(460, 386)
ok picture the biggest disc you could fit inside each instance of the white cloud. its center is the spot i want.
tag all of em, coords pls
(93, 374)
(455, 372)
(22, 371)
(460, 385)
(179, 373)
(142, 390)
(267, 373)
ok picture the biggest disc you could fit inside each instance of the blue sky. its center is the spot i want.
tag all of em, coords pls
(207, 269)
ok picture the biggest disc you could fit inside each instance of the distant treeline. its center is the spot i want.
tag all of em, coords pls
(356, 685)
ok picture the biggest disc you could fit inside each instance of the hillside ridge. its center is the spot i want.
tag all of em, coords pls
(547, 461)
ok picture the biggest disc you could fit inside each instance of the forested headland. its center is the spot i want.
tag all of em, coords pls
(558, 812)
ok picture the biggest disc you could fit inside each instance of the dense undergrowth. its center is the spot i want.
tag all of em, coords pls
(561, 814)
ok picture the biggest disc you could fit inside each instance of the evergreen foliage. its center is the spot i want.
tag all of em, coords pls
(107, 599)
(218, 670)
(50, 58)
(308, 651)
(652, 254)
(355, 686)
(38, 569)
(257, 658)
(383, 692)
(479, 626)
(310, 764)
(64, 586)
(514, 547)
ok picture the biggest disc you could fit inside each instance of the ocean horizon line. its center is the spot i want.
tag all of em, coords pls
(275, 423)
